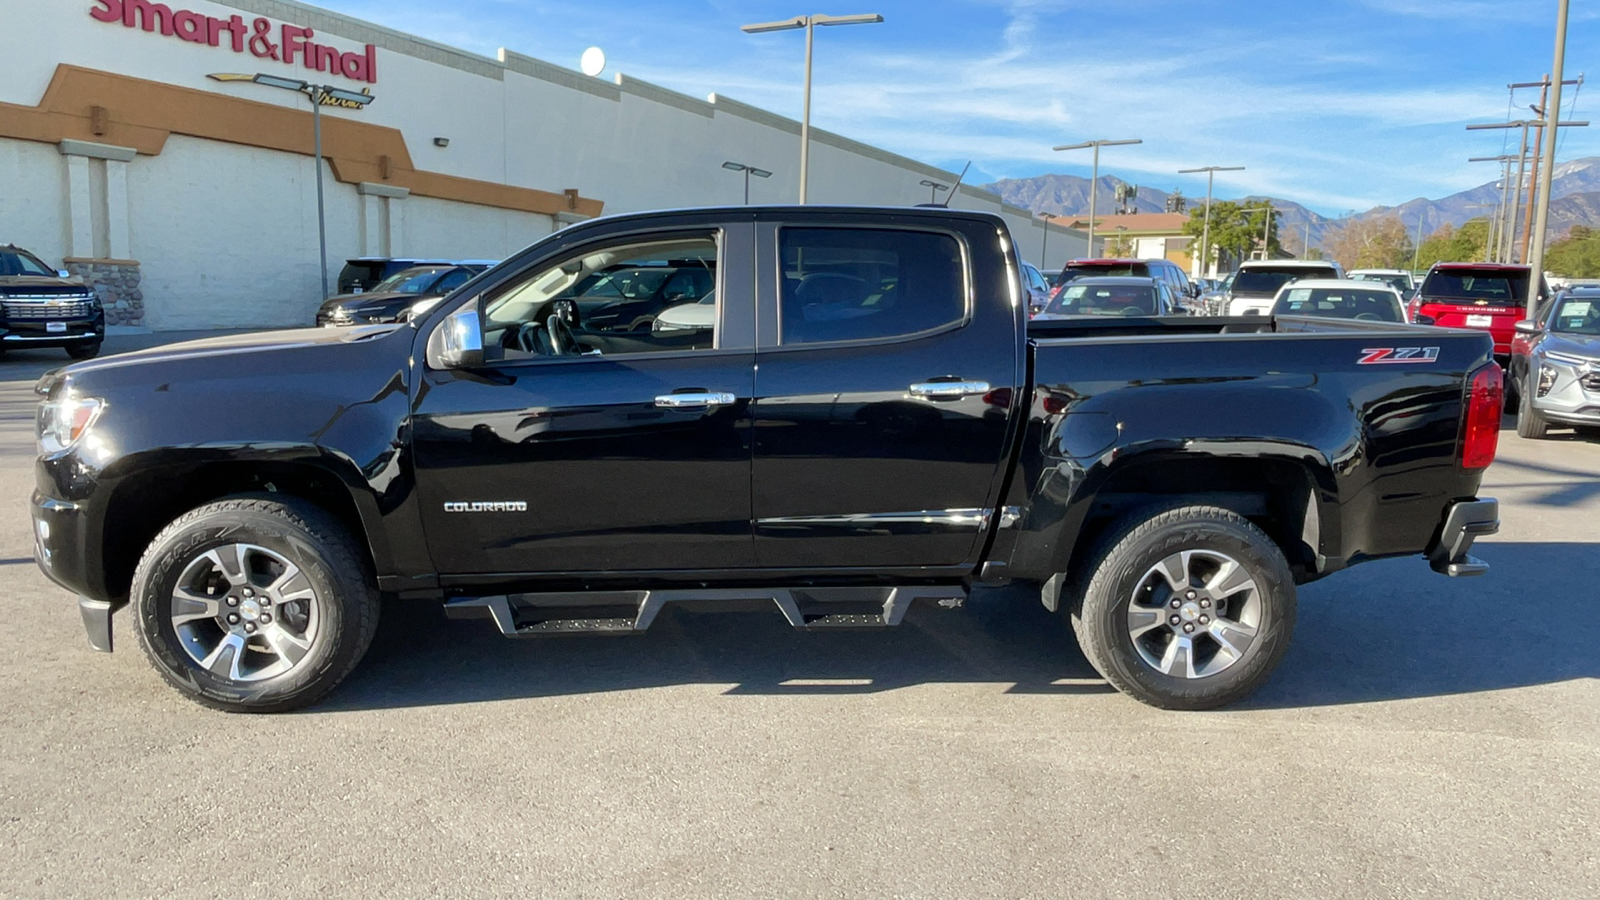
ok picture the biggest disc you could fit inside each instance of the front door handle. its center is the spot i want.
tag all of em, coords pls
(697, 400)
(948, 390)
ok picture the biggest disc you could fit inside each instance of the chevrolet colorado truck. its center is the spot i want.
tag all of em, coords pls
(867, 423)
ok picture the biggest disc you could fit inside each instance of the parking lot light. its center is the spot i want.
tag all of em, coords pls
(809, 23)
(748, 171)
(934, 187)
(1094, 180)
(1205, 229)
(317, 93)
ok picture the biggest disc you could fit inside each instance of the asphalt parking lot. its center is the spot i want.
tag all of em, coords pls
(1424, 737)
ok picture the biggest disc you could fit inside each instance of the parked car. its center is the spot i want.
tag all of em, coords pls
(1037, 287)
(45, 307)
(628, 296)
(1555, 365)
(1366, 301)
(1112, 297)
(1489, 296)
(1255, 285)
(700, 315)
(873, 424)
(362, 274)
(399, 296)
(1399, 279)
(1160, 269)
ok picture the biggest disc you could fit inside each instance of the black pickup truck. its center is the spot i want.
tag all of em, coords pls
(861, 420)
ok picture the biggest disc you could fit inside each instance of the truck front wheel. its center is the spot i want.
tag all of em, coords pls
(258, 603)
(1191, 608)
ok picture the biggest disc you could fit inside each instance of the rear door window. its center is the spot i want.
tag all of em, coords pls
(856, 284)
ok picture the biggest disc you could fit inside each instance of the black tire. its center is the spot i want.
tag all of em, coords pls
(1529, 423)
(84, 351)
(1101, 616)
(336, 568)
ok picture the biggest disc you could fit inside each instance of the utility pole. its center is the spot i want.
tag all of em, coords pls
(1538, 126)
(1416, 252)
(1205, 229)
(1266, 233)
(1305, 243)
(1547, 166)
(1044, 244)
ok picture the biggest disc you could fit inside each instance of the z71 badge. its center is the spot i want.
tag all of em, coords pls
(1385, 356)
(497, 506)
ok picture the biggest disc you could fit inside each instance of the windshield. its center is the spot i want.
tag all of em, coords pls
(1340, 303)
(411, 281)
(1575, 316)
(1500, 288)
(1104, 300)
(1267, 281)
(14, 263)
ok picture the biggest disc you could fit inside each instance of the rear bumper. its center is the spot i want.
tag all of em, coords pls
(1464, 522)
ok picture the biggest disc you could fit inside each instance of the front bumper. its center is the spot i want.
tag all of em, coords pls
(1464, 522)
(27, 333)
(59, 547)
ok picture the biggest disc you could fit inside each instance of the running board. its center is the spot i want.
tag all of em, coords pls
(632, 612)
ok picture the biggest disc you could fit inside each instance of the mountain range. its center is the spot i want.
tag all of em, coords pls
(1575, 201)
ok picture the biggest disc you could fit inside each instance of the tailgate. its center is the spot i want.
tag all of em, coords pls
(1500, 321)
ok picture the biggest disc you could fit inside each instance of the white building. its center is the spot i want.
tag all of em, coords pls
(192, 202)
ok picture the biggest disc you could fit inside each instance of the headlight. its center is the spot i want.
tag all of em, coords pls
(1547, 380)
(1564, 359)
(62, 423)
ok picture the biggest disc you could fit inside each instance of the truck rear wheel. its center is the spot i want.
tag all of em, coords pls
(256, 603)
(1191, 608)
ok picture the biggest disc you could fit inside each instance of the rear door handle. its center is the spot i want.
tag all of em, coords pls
(698, 400)
(948, 390)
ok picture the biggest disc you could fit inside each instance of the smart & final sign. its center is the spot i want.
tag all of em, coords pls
(289, 44)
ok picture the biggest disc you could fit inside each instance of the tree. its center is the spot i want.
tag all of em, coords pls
(1576, 254)
(1235, 229)
(1450, 244)
(1376, 243)
(1119, 247)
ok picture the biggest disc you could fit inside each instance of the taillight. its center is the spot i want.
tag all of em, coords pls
(1000, 397)
(1056, 291)
(1485, 405)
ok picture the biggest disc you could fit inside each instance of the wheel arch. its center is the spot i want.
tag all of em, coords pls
(1285, 490)
(154, 494)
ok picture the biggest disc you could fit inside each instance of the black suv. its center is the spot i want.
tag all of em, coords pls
(45, 307)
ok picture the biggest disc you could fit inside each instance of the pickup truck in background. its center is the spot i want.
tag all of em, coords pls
(866, 423)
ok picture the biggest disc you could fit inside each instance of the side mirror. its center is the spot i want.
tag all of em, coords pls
(63, 273)
(1529, 328)
(457, 342)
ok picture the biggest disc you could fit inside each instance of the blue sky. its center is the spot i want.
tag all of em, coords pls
(1338, 104)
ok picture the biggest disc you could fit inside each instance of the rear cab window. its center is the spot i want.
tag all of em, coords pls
(1103, 269)
(860, 284)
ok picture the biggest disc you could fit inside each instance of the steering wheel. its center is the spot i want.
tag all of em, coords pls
(1369, 317)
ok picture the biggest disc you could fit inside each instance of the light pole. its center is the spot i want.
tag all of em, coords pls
(1266, 233)
(1498, 223)
(809, 23)
(748, 171)
(1205, 230)
(1044, 244)
(319, 93)
(934, 188)
(1094, 180)
(1547, 166)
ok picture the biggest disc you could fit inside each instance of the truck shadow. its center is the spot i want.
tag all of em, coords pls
(1385, 631)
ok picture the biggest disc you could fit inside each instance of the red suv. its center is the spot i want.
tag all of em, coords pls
(1486, 296)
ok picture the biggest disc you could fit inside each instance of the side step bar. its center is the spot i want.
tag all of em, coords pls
(632, 612)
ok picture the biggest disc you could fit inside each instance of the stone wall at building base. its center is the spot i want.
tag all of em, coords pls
(116, 282)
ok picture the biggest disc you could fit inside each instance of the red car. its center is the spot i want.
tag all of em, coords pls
(1487, 296)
